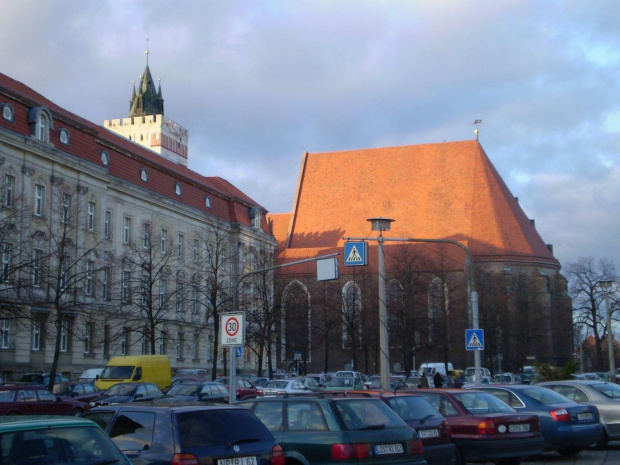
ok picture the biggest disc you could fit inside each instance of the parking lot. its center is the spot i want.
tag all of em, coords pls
(609, 456)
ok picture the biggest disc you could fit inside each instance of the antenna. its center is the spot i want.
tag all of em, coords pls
(476, 131)
(147, 51)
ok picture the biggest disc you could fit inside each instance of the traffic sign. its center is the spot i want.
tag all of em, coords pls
(239, 352)
(232, 329)
(356, 253)
(474, 339)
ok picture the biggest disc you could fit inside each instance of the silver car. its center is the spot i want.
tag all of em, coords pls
(602, 394)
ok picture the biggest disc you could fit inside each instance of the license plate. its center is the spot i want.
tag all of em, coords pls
(585, 416)
(384, 449)
(519, 428)
(429, 433)
(238, 461)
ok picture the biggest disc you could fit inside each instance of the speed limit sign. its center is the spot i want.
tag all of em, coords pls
(232, 329)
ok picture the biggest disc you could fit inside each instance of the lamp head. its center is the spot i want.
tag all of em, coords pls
(606, 283)
(380, 223)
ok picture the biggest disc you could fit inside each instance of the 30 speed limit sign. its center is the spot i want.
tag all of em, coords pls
(232, 329)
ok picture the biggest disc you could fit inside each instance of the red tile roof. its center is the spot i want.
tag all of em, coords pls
(438, 191)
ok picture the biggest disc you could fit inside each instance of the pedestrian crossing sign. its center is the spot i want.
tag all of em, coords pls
(474, 339)
(355, 253)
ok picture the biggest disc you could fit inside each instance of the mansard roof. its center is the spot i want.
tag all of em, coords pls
(433, 191)
(126, 157)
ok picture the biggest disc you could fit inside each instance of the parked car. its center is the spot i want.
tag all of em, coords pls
(36, 400)
(396, 382)
(214, 434)
(245, 388)
(310, 383)
(568, 427)
(321, 378)
(324, 428)
(194, 391)
(506, 378)
(529, 375)
(485, 429)
(431, 426)
(90, 375)
(344, 383)
(84, 392)
(604, 395)
(41, 379)
(285, 386)
(127, 392)
(62, 440)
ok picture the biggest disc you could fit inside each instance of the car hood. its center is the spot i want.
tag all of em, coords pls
(105, 400)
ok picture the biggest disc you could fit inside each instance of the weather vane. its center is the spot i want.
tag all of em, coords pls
(476, 131)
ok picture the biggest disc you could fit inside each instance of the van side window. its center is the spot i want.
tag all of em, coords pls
(138, 374)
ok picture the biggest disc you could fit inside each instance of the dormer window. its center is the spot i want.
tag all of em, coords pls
(255, 217)
(208, 201)
(7, 112)
(144, 175)
(105, 158)
(41, 122)
(63, 135)
(177, 188)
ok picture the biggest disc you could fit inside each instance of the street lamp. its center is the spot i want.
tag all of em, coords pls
(606, 285)
(382, 224)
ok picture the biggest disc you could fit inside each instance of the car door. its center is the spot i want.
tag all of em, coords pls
(48, 403)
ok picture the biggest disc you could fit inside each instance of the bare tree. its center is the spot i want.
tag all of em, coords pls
(327, 319)
(585, 276)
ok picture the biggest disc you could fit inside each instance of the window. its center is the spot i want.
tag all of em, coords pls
(208, 201)
(180, 299)
(64, 269)
(146, 292)
(163, 289)
(89, 287)
(107, 224)
(196, 346)
(146, 236)
(5, 340)
(39, 192)
(351, 314)
(64, 137)
(105, 158)
(64, 336)
(88, 330)
(164, 240)
(105, 284)
(177, 188)
(144, 175)
(194, 301)
(127, 230)
(162, 342)
(195, 250)
(125, 287)
(180, 345)
(92, 211)
(36, 335)
(126, 435)
(7, 252)
(180, 242)
(43, 130)
(255, 217)
(125, 342)
(9, 183)
(66, 208)
(7, 112)
(36, 267)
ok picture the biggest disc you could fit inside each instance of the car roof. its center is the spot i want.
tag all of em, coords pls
(27, 422)
(165, 407)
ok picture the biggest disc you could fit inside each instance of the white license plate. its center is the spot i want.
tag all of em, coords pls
(384, 449)
(585, 416)
(238, 461)
(519, 428)
(429, 433)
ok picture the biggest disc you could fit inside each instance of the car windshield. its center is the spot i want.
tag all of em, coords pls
(367, 414)
(83, 445)
(341, 381)
(413, 408)
(185, 390)
(480, 403)
(276, 384)
(608, 389)
(206, 428)
(117, 372)
(121, 390)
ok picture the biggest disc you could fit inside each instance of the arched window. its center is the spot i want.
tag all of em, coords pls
(437, 305)
(296, 321)
(351, 314)
(41, 122)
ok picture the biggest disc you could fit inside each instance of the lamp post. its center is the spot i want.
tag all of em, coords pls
(606, 285)
(382, 224)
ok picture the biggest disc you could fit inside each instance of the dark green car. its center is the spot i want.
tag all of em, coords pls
(336, 428)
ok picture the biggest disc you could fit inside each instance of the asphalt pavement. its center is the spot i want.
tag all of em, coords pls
(608, 456)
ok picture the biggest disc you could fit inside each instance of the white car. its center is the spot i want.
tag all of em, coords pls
(284, 386)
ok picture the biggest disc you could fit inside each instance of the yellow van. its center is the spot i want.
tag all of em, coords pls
(136, 368)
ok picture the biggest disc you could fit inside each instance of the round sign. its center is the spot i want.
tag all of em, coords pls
(232, 326)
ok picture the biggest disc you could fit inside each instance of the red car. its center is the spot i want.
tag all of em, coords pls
(483, 429)
(36, 400)
(245, 389)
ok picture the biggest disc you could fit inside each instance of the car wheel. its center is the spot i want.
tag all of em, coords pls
(569, 451)
(602, 444)
(458, 458)
(77, 412)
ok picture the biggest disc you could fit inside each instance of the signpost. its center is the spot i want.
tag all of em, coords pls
(232, 331)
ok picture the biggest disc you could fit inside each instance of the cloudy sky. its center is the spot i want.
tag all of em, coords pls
(257, 83)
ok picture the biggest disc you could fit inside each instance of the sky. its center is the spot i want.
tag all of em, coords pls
(258, 83)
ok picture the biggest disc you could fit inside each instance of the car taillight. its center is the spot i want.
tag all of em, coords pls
(277, 455)
(560, 414)
(415, 447)
(486, 427)
(259, 392)
(447, 429)
(350, 451)
(184, 459)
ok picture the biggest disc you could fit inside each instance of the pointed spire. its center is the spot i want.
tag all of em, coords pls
(147, 100)
(159, 89)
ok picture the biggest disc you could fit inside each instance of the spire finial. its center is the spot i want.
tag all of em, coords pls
(476, 131)
(147, 51)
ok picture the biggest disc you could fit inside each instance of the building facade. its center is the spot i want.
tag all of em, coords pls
(109, 248)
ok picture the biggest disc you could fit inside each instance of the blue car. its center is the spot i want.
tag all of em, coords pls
(568, 427)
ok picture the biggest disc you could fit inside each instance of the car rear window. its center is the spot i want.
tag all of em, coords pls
(545, 396)
(206, 428)
(608, 389)
(480, 403)
(367, 414)
(412, 408)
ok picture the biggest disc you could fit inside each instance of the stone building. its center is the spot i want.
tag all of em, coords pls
(446, 192)
(109, 248)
